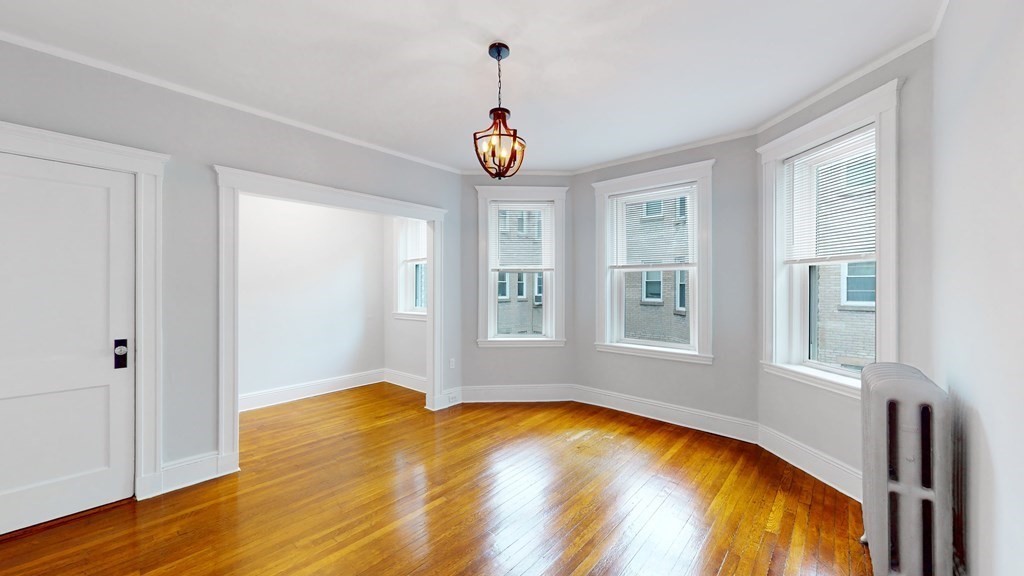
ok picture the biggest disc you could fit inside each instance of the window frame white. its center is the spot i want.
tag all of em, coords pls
(520, 286)
(538, 289)
(679, 282)
(554, 284)
(661, 287)
(844, 275)
(504, 282)
(609, 319)
(784, 321)
(406, 278)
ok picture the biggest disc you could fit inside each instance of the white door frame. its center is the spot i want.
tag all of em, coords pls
(148, 169)
(234, 182)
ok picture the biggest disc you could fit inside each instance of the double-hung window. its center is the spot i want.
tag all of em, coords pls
(654, 279)
(829, 285)
(411, 277)
(521, 239)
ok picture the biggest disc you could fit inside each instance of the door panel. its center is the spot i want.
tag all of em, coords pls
(67, 247)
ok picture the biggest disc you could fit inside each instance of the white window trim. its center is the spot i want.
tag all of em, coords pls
(405, 278)
(521, 286)
(661, 210)
(507, 296)
(701, 322)
(781, 348)
(554, 285)
(859, 304)
(678, 276)
(538, 286)
(643, 287)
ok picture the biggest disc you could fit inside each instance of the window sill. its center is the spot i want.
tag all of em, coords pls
(855, 308)
(652, 302)
(520, 343)
(415, 316)
(843, 385)
(655, 352)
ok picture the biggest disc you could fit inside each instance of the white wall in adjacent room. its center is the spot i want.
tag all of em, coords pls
(311, 296)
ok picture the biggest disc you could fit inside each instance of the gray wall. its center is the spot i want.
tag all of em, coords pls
(46, 92)
(819, 418)
(979, 200)
(496, 366)
(729, 385)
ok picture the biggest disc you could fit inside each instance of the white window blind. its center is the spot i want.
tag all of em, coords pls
(414, 239)
(640, 241)
(522, 236)
(830, 198)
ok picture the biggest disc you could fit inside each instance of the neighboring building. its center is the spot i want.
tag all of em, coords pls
(520, 303)
(656, 306)
(843, 321)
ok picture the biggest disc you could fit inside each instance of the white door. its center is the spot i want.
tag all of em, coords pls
(67, 246)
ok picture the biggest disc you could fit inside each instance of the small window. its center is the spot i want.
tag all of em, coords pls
(538, 289)
(681, 291)
(521, 286)
(411, 280)
(682, 210)
(651, 287)
(652, 209)
(502, 285)
(858, 284)
(420, 288)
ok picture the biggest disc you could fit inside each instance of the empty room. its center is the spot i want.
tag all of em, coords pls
(663, 287)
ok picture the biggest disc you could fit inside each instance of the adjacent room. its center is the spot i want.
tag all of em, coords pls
(704, 287)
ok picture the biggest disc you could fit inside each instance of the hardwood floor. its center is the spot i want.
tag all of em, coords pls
(366, 481)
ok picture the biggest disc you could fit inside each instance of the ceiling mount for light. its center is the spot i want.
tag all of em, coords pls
(499, 148)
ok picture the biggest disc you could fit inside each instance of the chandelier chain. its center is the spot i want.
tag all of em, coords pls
(499, 80)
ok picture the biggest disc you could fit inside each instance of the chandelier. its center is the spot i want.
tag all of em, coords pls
(499, 148)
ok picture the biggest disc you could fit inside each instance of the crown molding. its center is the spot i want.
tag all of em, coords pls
(154, 81)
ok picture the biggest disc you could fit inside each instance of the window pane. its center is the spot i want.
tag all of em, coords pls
(521, 285)
(538, 289)
(420, 288)
(502, 284)
(521, 317)
(841, 337)
(652, 208)
(653, 321)
(652, 286)
(681, 281)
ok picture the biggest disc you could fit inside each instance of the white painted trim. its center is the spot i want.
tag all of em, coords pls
(608, 322)
(521, 343)
(233, 182)
(939, 17)
(835, 473)
(405, 380)
(413, 316)
(196, 469)
(778, 351)
(293, 392)
(174, 87)
(846, 80)
(148, 169)
(487, 308)
(835, 383)
(729, 426)
(829, 470)
(656, 153)
(654, 352)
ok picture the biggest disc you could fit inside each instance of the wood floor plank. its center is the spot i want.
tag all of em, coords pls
(366, 481)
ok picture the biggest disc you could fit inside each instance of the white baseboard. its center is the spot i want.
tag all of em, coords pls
(722, 425)
(835, 473)
(264, 398)
(839, 475)
(405, 380)
(186, 472)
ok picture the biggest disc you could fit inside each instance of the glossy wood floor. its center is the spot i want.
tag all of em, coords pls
(366, 481)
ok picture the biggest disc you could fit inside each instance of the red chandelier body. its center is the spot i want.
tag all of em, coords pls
(499, 149)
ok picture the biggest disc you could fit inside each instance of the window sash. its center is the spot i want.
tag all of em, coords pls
(521, 236)
(829, 200)
(638, 239)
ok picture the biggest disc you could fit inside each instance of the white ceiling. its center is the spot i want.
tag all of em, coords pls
(588, 81)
